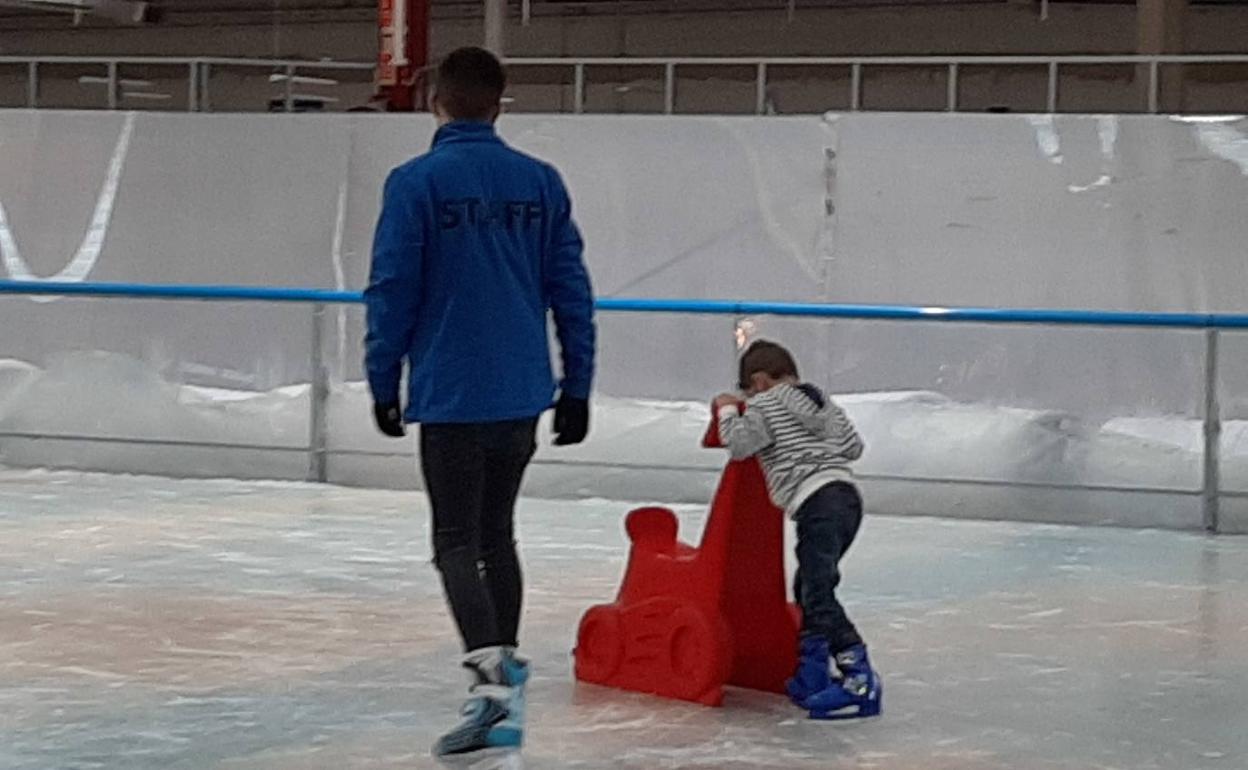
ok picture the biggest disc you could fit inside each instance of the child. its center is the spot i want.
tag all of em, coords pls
(805, 444)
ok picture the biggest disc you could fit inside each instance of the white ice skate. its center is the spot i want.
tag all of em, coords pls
(491, 733)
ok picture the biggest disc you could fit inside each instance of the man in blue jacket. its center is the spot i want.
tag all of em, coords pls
(474, 246)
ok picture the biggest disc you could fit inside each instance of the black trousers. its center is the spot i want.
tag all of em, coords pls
(472, 474)
(826, 526)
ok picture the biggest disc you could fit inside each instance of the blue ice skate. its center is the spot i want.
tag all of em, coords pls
(812, 675)
(859, 694)
(493, 715)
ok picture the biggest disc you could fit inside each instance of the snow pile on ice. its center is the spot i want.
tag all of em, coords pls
(925, 453)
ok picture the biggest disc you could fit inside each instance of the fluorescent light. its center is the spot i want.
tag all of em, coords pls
(305, 80)
(152, 96)
(63, 5)
(95, 80)
(122, 11)
(306, 98)
(1207, 118)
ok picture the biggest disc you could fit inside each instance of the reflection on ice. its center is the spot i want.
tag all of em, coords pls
(148, 623)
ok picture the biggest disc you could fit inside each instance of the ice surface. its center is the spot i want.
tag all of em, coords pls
(161, 624)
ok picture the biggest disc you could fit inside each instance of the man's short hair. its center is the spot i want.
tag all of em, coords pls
(470, 84)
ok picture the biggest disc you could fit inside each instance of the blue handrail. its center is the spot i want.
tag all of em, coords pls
(1043, 317)
(182, 291)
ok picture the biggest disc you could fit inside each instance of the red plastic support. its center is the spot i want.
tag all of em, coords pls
(689, 621)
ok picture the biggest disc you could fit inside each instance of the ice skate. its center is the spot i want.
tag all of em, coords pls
(859, 694)
(492, 724)
(812, 675)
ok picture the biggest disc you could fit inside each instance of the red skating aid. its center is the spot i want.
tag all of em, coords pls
(689, 621)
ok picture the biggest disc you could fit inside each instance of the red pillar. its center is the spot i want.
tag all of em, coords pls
(402, 53)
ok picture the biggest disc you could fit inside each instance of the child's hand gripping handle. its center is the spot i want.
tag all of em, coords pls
(711, 439)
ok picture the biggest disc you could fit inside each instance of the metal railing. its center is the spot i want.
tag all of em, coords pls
(953, 66)
(198, 71)
(318, 449)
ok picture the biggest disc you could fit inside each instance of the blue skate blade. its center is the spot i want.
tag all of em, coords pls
(871, 708)
(859, 712)
(500, 758)
(477, 739)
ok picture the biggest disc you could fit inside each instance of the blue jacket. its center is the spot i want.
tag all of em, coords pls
(474, 246)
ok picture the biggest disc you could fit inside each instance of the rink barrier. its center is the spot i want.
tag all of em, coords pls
(200, 70)
(318, 452)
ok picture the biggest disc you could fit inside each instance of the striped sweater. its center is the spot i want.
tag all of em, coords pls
(803, 441)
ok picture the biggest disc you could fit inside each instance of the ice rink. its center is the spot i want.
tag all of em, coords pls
(149, 623)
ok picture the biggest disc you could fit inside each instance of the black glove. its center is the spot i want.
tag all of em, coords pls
(389, 419)
(571, 420)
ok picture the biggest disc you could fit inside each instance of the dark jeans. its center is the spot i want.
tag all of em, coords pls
(826, 526)
(473, 473)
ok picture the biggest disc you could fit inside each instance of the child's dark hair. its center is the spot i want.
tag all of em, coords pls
(767, 357)
(470, 84)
